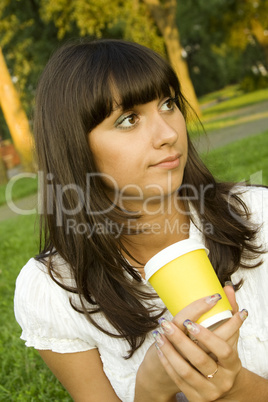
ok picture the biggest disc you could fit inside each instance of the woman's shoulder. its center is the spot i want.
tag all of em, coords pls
(44, 312)
(36, 273)
(33, 270)
(37, 295)
(34, 283)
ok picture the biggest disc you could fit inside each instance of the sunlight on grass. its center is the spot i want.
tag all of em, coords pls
(241, 160)
(217, 124)
(228, 92)
(237, 102)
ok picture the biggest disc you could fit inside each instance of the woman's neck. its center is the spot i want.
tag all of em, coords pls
(155, 231)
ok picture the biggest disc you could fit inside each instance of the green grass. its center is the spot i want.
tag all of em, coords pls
(234, 120)
(23, 375)
(20, 187)
(246, 159)
(228, 92)
(230, 107)
(235, 102)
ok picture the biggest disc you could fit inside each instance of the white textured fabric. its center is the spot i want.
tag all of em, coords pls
(48, 321)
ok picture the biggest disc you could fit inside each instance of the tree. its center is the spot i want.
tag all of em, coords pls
(164, 15)
(27, 42)
(212, 64)
(247, 20)
(15, 117)
(142, 21)
(29, 34)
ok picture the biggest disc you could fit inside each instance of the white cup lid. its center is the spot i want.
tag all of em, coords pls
(170, 253)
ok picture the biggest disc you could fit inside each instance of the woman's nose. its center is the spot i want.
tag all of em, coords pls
(163, 133)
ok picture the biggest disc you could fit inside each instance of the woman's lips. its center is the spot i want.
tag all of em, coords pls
(171, 162)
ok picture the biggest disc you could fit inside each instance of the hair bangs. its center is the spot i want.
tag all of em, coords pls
(127, 76)
(140, 76)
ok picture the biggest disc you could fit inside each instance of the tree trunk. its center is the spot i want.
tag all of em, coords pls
(165, 18)
(15, 117)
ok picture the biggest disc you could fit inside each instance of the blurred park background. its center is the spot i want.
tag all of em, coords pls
(219, 49)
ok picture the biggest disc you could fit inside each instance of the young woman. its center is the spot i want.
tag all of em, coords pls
(121, 181)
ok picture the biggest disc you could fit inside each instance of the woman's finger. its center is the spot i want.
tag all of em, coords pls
(195, 310)
(194, 376)
(186, 348)
(220, 348)
(177, 376)
(230, 293)
(227, 330)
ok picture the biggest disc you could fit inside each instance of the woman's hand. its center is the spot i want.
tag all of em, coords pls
(196, 373)
(155, 381)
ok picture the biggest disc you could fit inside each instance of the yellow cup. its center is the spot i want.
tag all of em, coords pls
(181, 274)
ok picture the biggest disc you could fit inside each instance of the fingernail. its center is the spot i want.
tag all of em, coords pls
(191, 327)
(213, 299)
(167, 327)
(158, 338)
(243, 314)
(229, 283)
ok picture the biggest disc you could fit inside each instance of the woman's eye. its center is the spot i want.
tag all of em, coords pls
(168, 105)
(127, 121)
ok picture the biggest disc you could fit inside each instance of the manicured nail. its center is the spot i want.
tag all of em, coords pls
(213, 299)
(229, 283)
(158, 338)
(191, 327)
(167, 327)
(243, 314)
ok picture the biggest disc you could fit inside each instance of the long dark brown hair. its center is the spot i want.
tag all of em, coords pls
(75, 94)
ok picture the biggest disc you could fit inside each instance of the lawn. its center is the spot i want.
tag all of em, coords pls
(230, 106)
(24, 376)
(20, 186)
(230, 99)
(243, 160)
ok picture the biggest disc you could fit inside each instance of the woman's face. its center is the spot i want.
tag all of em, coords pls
(141, 152)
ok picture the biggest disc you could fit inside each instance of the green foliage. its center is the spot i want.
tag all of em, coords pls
(221, 50)
(30, 30)
(4, 131)
(27, 43)
(252, 81)
(212, 64)
(239, 17)
(129, 20)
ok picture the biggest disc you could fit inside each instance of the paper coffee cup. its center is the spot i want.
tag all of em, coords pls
(181, 274)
